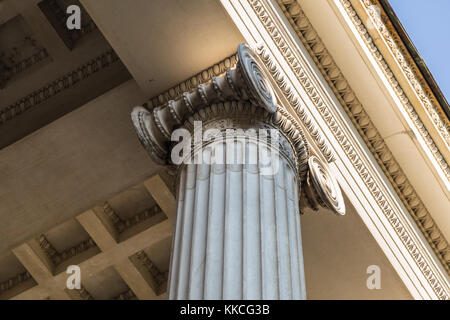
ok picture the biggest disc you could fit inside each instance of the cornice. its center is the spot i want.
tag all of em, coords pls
(425, 224)
(430, 83)
(406, 62)
(368, 132)
(441, 126)
(294, 102)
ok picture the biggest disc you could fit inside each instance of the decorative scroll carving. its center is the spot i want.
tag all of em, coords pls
(368, 132)
(279, 79)
(257, 84)
(245, 82)
(242, 94)
(321, 188)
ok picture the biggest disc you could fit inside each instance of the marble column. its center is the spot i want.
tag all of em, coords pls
(240, 188)
(238, 226)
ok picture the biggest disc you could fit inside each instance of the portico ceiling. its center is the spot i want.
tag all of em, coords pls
(164, 41)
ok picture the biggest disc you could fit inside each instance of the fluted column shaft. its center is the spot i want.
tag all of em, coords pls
(237, 232)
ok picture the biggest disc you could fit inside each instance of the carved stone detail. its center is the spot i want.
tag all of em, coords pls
(245, 82)
(159, 277)
(14, 281)
(9, 72)
(59, 257)
(368, 132)
(294, 102)
(191, 84)
(238, 103)
(321, 188)
(279, 79)
(406, 63)
(239, 114)
(425, 221)
(57, 86)
(258, 86)
(123, 224)
(438, 122)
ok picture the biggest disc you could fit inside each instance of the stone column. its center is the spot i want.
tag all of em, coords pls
(238, 229)
(237, 233)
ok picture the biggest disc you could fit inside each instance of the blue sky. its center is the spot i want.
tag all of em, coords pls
(427, 23)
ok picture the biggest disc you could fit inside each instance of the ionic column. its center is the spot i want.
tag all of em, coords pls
(237, 232)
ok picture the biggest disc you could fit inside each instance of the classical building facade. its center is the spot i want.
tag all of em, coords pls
(314, 152)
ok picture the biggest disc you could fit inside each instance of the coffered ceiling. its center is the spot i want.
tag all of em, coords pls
(42, 65)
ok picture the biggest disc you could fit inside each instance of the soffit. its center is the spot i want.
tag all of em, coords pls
(337, 252)
(162, 42)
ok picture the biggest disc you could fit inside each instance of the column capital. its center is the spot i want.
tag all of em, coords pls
(243, 96)
(244, 91)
